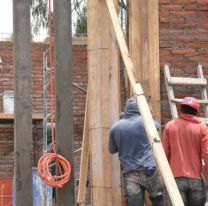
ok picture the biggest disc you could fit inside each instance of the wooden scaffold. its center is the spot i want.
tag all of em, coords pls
(101, 15)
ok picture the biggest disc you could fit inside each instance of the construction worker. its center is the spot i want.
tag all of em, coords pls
(185, 141)
(128, 137)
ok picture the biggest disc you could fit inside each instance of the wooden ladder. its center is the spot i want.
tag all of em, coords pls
(200, 81)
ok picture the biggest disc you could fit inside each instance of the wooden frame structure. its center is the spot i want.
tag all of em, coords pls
(98, 101)
(143, 41)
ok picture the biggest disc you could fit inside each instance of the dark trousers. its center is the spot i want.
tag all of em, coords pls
(192, 191)
(135, 184)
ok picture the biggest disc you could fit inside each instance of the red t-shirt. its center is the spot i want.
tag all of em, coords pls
(185, 141)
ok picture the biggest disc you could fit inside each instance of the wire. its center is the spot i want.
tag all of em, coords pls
(45, 162)
(44, 170)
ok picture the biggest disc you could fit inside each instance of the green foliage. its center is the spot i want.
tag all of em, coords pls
(41, 20)
(40, 15)
(81, 24)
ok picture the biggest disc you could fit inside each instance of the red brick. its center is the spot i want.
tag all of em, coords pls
(183, 1)
(184, 64)
(197, 58)
(202, 20)
(178, 20)
(196, 45)
(172, 58)
(183, 26)
(164, 13)
(182, 39)
(183, 13)
(202, 39)
(164, 25)
(183, 51)
(203, 26)
(164, 1)
(171, 7)
(202, 1)
(194, 32)
(164, 52)
(202, 52)
(172, 20)
(164, 38)
(202, 8)
(175, 32)
(194, 7)
(202, 13)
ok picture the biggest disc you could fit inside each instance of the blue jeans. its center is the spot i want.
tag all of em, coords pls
(192, 191)
(135, 184)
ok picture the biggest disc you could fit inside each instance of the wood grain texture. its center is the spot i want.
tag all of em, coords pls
(145, 113)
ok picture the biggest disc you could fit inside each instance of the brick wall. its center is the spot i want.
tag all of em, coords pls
(7, 83)
(183, 43)
(6, 150)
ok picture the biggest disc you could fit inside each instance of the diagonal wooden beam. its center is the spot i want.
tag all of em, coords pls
(84, 159)
(102, 84)
(145, 112)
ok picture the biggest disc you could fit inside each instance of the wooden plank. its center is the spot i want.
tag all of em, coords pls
(99, 62)
(23, 142)
(137, 34)
(8, 116)
(101, 158)
(114, 109)
(186, 81)
(170, 93)
(153, 74)
(203, 90)
(144, 50)
(84, 159)
(64, 95)
(79, 41)
(145, 113)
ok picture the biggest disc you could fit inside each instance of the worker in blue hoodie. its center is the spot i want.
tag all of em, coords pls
(128, 137)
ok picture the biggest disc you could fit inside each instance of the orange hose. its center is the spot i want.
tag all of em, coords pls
(44, 170)
(45, 162)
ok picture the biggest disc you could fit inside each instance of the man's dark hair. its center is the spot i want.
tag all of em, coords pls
(188, 110)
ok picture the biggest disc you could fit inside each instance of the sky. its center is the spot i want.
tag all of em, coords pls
(6, 21)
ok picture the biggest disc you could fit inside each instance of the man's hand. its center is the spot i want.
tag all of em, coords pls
(204, 174)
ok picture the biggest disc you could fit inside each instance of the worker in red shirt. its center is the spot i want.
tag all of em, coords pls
(185, 141)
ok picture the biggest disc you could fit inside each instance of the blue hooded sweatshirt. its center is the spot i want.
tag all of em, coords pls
(128, 137)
